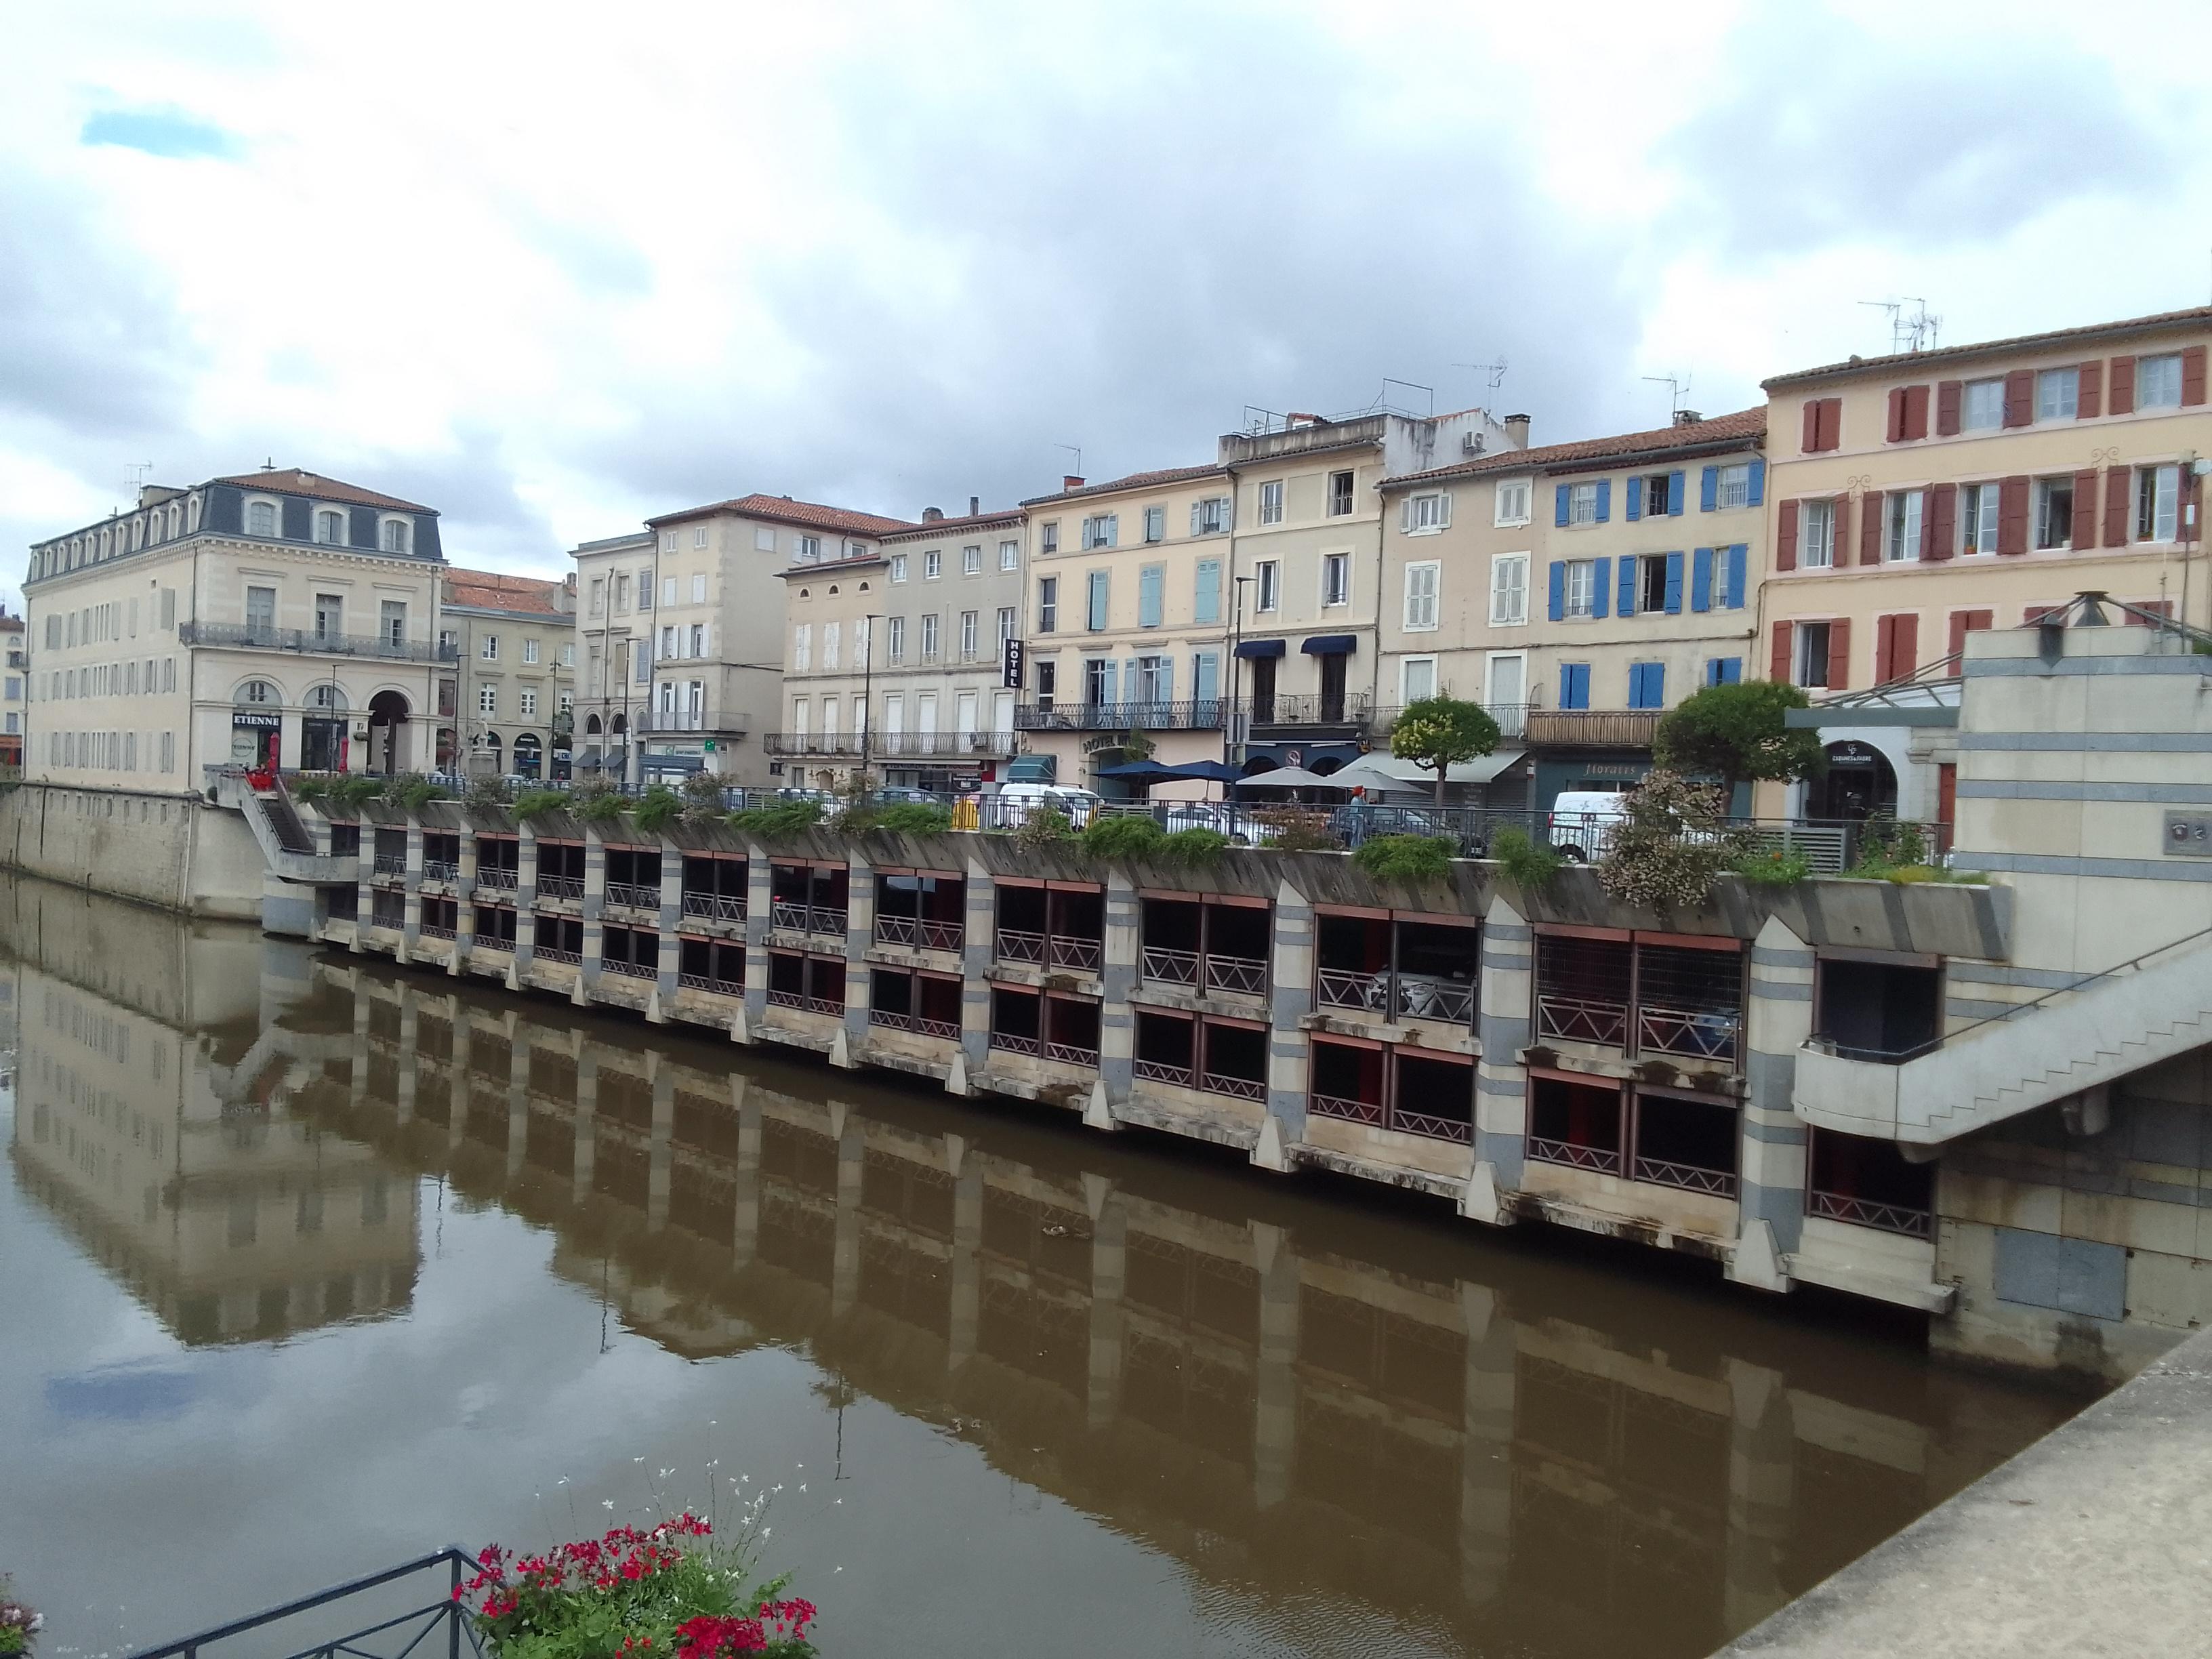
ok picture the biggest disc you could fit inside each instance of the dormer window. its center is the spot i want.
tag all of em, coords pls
(261, 518)
(395, 535)
(329, 528)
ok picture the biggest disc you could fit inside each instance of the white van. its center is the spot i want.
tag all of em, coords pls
(1017, 800)
(1583, 822)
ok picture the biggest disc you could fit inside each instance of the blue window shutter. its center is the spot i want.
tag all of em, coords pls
(1112, 695)
(1167, 679)
(1712, 670)
(1208, 603)
(1701, 579)
(1582, 685)
(1709, 492)
(1627, 596)
(1640, 684)
(1731, 671)
(1206, 675)
(1133, 688)
(1758, 498)
(1604, 574)
(1738, 557)
(1574, 685)
(1604, 500)
(1674, 584)
(1676, 501)
(1654, 685)
(1559, 506)
(1150, 580)
(1559, 590)
(1635, 500)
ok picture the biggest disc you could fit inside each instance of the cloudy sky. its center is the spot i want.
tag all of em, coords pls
(553, 268)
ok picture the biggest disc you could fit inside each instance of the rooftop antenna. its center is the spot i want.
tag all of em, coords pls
(1678, 387)
(1495, 371)
(1075, 472)
(134, 475)
(1916, 330)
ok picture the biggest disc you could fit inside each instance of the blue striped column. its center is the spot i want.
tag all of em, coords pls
(1770, 1157)
(1501, 1083)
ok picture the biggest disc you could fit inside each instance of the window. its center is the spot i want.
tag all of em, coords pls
(1981, 409)
(529, 703)
(564, 702)
(802, 647)
(1574, 685)
(2054, 513)
(1903, 539)
(2059, 394)
(1509, 590)
(699, 587)
(1647, 685)
(1977, 518)
(1656, 496)
(598, 596)
(1153, 683)
(1421, 583)
(809, 549)
(763, 539)
(1048, 603)
(1811, 665)
(1009, 556)
(699, 535)
(1006, 626)
(932, 565)
(1582, 587)
(2158, 494)
(1105, 530)
(1095, 609)
(895, 639)
(698, 640)
(330, 615)
(1651, 587)
(1816, 535)
(1268, 593)
(1735, 485)
(395, 535)
(799, 717)
(645, 590)
(898, 567)
(668, 541)
(1211, 516)
(621, 594)
(971, 560)
(1426, 513)
(260, 608)
(1206, 591)
(1155, 523)
(1335, 578)
(487, 700)
(1151, 593)
(261, 518)
(1340, 495)
(830, 645)
(568, 656)
(969, 629)
(668, 590)
(1049, 537)
(2157, 384)
(1582, 504)
(488, 648)
(1723, 670)
(1271, 502)
(929, 637)
(392, 622)
(530, 651)
(1417, 679)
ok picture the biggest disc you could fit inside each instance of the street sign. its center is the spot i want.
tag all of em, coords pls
(1010, 664)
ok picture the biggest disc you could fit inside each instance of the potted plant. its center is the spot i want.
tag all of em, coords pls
(18, 1624)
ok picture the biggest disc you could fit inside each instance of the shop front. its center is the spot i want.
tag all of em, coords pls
(256, 739)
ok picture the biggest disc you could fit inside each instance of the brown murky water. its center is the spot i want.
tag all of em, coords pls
(308, 1266)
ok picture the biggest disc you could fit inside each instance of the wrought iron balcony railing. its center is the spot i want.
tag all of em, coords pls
(1310, 708)
(1202, 715)
(916, 934)
(920, 744)
(1593, 729)
(313, 642)
(714, 907)
(632, 896)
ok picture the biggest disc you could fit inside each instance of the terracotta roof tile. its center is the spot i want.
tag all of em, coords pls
(291, 481)
(492, 590)
(811, 515)
(1133, 481)
(1747, 424)
(2164, 320)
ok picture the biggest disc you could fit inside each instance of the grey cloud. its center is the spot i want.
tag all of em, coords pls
(1837, 131)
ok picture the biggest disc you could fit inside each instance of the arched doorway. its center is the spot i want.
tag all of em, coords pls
(387, 733)
(325, 730)
(527, 754)
(1859, 783)
(256, 726)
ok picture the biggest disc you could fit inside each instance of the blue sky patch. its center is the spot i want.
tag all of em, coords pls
(158, 132)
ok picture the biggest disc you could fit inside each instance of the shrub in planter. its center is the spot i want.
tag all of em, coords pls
(531, 802)
(1192, 847)
(914, 818)
(704, 797)
(488, 793)
(657, 808)
(1406, 858)
(1123, 837)
(1044, 826)
(18, 1624)
(785, 818)
(1524, 861)
(1296, 829)
(674, 1591)
(356, 787)
(1774, 867)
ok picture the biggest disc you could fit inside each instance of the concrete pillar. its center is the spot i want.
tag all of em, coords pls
(966, 1169)
(859, 935)
(1290, 1001)
(1770, 1192)
(518, 1099)
(979, 947)
(525, 896)
(1762, 1483)
(411, 933)
(661, 1157)
(1275, 1415)
(587, 1108)
(364, 901)
(672, 923)
(760, 887)
(411, 1059)
(744, 1225)
(1485, 1471)
(595, 905)
(850, 1129)
(1110, 1278)
(1501, 1085)
(457, 1108)
(464, 910)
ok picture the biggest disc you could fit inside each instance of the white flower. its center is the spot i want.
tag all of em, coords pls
(606, 1503)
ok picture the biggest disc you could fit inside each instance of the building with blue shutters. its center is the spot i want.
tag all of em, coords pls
(1580, 590)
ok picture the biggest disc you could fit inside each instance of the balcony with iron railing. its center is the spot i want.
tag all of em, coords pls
(1512, 718)
(922, 744)
(823, 744)
(684, 720)
(713, 906)
(1201, 715)
(1593, 729)
(917, 933)
(570, 888)
(798, 918)
(1307, 709)
(441, 871)
(631, 895)
(311, 642)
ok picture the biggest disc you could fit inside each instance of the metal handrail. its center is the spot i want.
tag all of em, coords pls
(725, 988)
(1070, 1054)
(949, 1029)
(1014, 1044)
(1566, 1152)
(1690, 1177)
(1351, 1111)
(824, 1006)
(1159, 1071)
(823, 920)
(1460, 1130)
(449, 1607)
(499, 876)
(1019, 944)
(1867, 1212)
(635, 970)
(1070, 951)
(1243, 975)
(1338, 987)
(1237, 1088)
(1696, 1033)
(719, 906)
(561, 887)
(555, 953)
(440, 870)
(632, 896)
(1421, 996)
(1168, 967)
(254, 635)
(1576, 1019)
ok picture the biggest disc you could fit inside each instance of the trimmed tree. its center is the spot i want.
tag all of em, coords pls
(1736, 733)
(1442, 732)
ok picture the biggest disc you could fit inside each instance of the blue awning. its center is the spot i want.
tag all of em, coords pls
(1249, 648)
(1330, 645)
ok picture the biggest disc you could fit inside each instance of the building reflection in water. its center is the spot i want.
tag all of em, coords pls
(1283, 1392)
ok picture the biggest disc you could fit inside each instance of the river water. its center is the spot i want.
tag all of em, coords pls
(309, 1264)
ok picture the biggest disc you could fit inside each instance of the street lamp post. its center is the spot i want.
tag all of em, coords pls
(1229, 742)
(868, 689)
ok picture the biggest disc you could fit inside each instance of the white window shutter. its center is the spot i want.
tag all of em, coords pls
(1195, 508)
(1443, 509)
(1405, 515)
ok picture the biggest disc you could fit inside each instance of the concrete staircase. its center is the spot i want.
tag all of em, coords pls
(2076, 1043)
(283, 840)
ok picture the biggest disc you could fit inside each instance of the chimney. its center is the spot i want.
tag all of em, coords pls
(1687, 417)
(932, 515)
(1069, 481)
(1297, 418)
(975, 507)
(1517, 431)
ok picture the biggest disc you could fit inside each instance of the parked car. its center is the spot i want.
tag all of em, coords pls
(1583, 822)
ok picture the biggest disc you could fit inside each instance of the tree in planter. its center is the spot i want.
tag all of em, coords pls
(1442, 732)
(1736, 733)
(1673, 844)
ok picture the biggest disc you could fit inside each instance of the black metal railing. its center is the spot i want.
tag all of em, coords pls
(1204, 715)
(440, 1623)
(255, 637)
(1311, 708)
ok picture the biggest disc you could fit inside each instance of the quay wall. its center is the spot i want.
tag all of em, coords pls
(174, 852)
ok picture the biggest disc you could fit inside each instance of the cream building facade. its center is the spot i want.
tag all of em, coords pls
(892, 658)
(276, 618)
(14, 666)
(509, 704)
(1579, 590)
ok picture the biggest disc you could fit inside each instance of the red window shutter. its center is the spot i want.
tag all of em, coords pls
(1840, 555)
(2012, 516)
(1839, 653)
(1831, 422)
(1870, 527)
(2020, 398)
(1904, 646)
(1895, 432)
(1946, 407)
(1885, 634)
(1811, 440)
(1964, 623)
(2191, 516)
(2123, 385)
(1916, 412)
(1785, 541)
(2118, 503)
(1777, 667)
(1947, 800)
(2089, 400)
(2085, 510)
(2192, 375)
(1939, 522)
